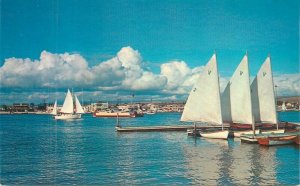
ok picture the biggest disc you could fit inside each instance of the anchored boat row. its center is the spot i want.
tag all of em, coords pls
(241, 104)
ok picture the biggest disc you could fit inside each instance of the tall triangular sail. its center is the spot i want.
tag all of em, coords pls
(68, 105)
(79, 109)
(54, 111)
(203, 104)
(263, 97)
(236, 98)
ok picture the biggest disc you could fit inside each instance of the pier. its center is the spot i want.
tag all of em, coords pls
(283, 125)
(164, 128)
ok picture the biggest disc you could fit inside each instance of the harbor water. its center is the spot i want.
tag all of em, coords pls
(35, 149)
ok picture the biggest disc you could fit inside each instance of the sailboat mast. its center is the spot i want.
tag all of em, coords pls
(73, 100)
(219, 89)
(274, 94)
(251, 107)
(82, 96)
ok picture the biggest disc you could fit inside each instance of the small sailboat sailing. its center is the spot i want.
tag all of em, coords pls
(283, 107)
(69, 109)
(54, 111)
(206, 92)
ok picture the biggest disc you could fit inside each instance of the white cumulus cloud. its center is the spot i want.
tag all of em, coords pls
(287, 84)
(126, 71)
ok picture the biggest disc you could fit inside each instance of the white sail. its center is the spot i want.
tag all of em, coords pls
(226, 104)
(283, 107)
(79, 109)
(54, 111)
(68, 106)
(203, 104)
(262, 94)
(236, 98)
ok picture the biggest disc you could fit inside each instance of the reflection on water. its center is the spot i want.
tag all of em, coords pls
(39, 150)
(203, 160)
(213, 162)
(62, 149)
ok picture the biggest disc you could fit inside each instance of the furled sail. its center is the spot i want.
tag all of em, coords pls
(262, 94)
(68, 105)
(79, 109)
(203, 104)
(236, 98)
(54, 111)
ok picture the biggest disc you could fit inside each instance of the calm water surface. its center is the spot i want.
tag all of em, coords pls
(35, 149)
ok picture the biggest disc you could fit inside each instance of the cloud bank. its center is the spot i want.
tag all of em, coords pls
(125, 72)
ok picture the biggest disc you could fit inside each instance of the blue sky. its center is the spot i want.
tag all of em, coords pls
(162, 31)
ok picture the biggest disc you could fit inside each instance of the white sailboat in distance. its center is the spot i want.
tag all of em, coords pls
(54, 111)
(69, 109)
(204, 104)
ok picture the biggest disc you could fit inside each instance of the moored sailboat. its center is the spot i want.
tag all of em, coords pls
(263, 97)
(263, 101)
(69, 109)
(206, 92)
(236, 100)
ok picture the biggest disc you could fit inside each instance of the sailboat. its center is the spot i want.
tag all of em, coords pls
(263, 101)
(206, 92)
(283, 107)
(54, 111)
(236, 99)
(68, 111)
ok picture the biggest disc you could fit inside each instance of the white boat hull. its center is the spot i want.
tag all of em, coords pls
(67, 116)
(248, 139)
(279, 131)
(238, 134)
(223, 134)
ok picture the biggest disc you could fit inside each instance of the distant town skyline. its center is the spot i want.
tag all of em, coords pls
(155, 50)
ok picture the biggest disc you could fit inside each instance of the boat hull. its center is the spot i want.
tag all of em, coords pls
(271, 141)
(240, 126)
(297, 140)
(114, 114)
(279, 131)
(67, 116)
(238, 134)
(248, 138)
(223, 134)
